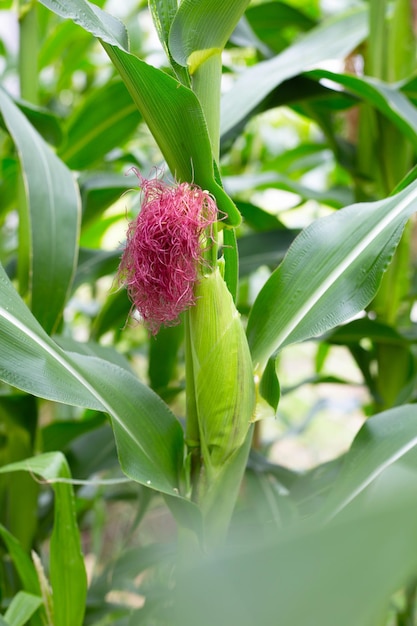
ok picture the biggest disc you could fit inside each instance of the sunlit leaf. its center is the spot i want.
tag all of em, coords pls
(91, 18)
(330, 273)
(148, 436)
(22, 608)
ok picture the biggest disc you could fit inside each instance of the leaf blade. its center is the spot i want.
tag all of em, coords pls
(332, 39)
(67, 571)
(347, 275)
(53, 201)
(148, 436)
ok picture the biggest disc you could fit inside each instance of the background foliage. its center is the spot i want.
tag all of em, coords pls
(317, 139)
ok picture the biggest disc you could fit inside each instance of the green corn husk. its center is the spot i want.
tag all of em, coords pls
(223, 373)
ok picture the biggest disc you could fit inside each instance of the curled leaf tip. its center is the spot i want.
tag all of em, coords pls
(164, 249)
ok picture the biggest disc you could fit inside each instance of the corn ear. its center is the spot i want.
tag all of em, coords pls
(223, 372)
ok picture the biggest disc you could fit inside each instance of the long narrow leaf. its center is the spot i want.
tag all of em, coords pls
(330, 273)
(148, 436)
(388, 99)
(67, 570)
(25, 569)
(54, 216)
(22, 608)
(331, 40)
(382, 440)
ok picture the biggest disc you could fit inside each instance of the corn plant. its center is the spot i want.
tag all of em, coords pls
(309, 544)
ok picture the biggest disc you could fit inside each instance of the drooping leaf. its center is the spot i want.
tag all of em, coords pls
(386, 98)
(148, 436)
(384, 439)
(264, 249)
(53, 217)
(100, 189)
(334, 38)
(330, 273)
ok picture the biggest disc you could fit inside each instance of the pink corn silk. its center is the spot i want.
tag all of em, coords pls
(164, 249)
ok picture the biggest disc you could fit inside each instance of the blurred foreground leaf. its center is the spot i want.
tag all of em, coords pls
(340, 573)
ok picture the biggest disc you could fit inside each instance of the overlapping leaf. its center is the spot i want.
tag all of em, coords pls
(67, 571)
(148, 436)
(172, 111)
(331, 40)
(201, 28)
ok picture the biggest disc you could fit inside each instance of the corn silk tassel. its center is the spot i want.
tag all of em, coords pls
(166, 272)
(164, 249)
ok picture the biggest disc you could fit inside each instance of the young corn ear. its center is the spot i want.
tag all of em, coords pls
(223, 372)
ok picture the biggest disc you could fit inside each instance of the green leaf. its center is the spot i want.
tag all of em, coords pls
(383, 439)
(183, 139)
(21, 608)
(93, 264)
(92, 19)
(273, 180)
(264, 249)
(388, 99)
(202, 28)
(333, 39)
(163, 13)
(46, 123)
(340, 573)
(25, 569)
(106, 118)
(297, 303)
(148, 436)
(163, 356)
(269, 387)
(67, 571)
(162, 100)
(100, 189)
(23, 564)
(272, 21)
(113, 314)
(54, 216)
